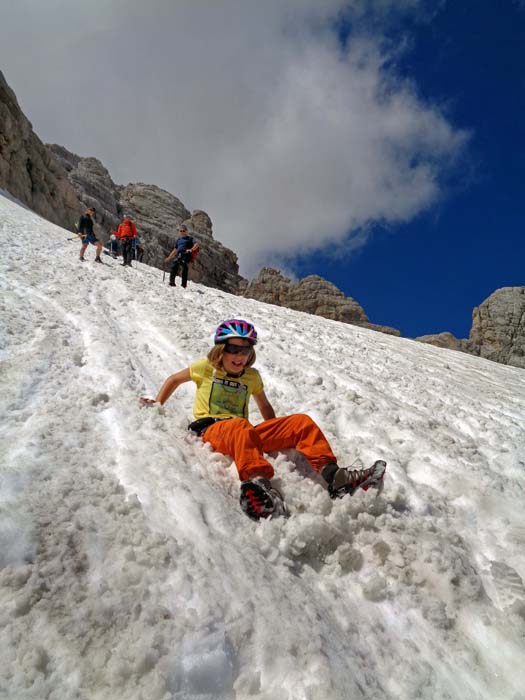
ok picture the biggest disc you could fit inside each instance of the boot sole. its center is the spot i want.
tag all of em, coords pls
(272, 505)
(375, 480)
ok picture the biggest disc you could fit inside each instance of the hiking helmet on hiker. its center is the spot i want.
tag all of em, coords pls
(235, 328)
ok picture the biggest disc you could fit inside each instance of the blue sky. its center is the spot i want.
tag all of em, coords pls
(426, 276)
(384, 152)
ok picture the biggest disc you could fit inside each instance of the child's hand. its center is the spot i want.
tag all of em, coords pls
(146, 402)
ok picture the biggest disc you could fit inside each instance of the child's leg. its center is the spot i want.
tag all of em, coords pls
(237, 438)
(300, 432)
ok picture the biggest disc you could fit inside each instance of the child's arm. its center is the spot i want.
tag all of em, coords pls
(169, 386)
(265, 407)
(171, 383)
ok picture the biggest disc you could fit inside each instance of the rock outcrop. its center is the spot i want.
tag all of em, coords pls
(157, 214)
(313, 295)
(498, 327)
(444, 340)
(93, 185)
(216, 265)
(28, 170)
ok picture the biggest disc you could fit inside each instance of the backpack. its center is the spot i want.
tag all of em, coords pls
(194, 252)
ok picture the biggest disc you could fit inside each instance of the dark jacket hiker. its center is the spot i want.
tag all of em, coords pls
(87, 234)
(181, 256)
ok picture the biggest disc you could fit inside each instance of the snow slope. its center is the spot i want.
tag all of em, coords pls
(128, 571)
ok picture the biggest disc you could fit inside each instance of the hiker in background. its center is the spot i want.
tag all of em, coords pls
(138, 249)
(181, 255)
(113, 245)
(126, 232)
(85, 228)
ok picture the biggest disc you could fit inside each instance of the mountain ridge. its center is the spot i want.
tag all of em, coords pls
(57, 184)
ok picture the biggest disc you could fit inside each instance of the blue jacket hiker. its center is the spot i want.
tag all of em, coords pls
(137, 249)
(180, 256)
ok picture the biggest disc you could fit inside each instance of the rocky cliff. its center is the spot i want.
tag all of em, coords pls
(444, 340)
(27, 169)
(498, 329)
(157, 214)
(93, 186)
(312, 294)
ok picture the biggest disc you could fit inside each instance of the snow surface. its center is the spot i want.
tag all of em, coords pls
(127, 569)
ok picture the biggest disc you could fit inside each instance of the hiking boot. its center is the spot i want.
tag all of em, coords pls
(82, 259)
(342, 481)
(97, 259)
(259, 499)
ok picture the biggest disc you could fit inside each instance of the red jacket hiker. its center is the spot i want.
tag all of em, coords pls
(127, 229)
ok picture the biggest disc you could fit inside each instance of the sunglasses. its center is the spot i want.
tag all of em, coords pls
(237, 349)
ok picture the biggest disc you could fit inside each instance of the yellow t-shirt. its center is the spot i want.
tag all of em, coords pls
(220, 395)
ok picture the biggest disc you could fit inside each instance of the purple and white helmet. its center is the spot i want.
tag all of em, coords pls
(235, 328)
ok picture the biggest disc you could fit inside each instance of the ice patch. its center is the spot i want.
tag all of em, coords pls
(204, 670)
(16, 528)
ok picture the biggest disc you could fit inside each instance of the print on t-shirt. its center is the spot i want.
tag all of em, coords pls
(227, 396)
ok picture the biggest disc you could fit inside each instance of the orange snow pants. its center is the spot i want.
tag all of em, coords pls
(246, 443)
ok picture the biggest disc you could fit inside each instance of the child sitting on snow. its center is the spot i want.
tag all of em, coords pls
(225, 382)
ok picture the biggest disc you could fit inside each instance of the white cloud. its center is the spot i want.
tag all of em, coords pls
(248, 110)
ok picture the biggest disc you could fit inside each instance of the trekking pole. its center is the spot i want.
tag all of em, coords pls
(164, 275)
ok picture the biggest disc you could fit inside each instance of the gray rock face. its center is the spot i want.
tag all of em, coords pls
(157, 215)
(215, 265)
(444, 340)
(28, 170)
(269, 286)
(498, 327)
(93, 185)
(313, 295)
(316, 295)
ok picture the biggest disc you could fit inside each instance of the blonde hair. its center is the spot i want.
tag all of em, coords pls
(215, 356)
